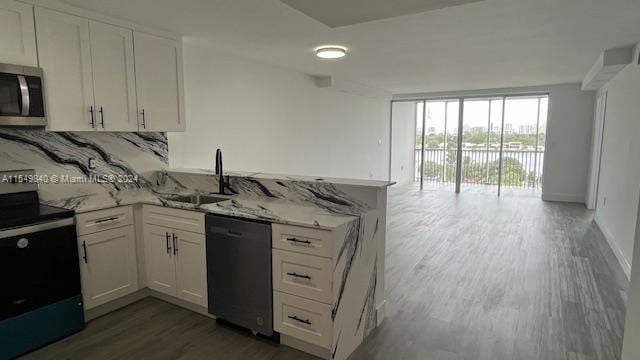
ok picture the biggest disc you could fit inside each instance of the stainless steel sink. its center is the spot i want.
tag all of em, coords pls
(197, 199)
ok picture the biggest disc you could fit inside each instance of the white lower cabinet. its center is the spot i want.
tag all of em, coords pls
(108, 265)
(175, 259)
(191, 267)
(159, 259)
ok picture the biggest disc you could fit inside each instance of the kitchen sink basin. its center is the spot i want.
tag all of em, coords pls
(197, 199)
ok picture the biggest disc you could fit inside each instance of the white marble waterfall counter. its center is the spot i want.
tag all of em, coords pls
(272, 210)
(299, 178)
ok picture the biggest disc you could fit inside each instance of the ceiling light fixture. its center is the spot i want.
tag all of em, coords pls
(331, 51)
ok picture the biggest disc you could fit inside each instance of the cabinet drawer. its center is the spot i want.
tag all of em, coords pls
(302, 319)
(174, 218)
(303, 275)
(303, 240)
(91, 222)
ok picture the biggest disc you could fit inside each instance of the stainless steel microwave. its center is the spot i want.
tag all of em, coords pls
(21, 96)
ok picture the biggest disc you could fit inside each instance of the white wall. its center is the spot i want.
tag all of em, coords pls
(568, 143)
(631, 344)
(569, 126)
(269, 119)
(403, 142)
(619, 181)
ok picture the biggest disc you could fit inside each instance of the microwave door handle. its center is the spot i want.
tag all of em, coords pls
(24, 89)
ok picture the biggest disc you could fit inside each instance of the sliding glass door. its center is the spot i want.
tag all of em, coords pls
(481, 139)
(485, 144)
(437, 134)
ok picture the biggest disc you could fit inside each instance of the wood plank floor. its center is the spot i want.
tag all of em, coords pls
(469, 277)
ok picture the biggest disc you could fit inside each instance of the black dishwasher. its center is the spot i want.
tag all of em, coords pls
(239, 272)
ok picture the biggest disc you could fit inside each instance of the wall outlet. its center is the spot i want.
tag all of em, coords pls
(92, 163)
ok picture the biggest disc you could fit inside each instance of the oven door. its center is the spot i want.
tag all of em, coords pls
(40, 266)
(21, 100)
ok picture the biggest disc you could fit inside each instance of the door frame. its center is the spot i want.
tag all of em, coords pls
(597, 139)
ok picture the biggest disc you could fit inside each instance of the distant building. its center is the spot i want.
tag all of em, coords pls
(527, 129)
(508, 128)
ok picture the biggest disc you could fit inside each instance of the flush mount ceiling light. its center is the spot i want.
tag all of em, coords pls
(331, 51)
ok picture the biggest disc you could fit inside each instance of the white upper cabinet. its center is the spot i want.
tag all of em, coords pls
(65, 57)
(17, 34)
(103, 77)
(159, 83)
(114, 83)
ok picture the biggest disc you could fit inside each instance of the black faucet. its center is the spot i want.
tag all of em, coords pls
(221, 182)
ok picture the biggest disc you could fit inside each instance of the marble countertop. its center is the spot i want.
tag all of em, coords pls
(277, 211)
(303, 178)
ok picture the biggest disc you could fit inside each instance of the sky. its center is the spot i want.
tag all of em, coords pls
(518, 111)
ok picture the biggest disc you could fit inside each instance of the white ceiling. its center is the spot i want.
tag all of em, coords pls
(493, 43)
(334, 13)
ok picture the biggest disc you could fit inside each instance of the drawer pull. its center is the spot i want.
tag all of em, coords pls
(102, 221)
(307, 322)
(84, 250)
(299, 276)
(175, 244)
(292, 239)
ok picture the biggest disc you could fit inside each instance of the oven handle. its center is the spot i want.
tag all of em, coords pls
(30, 229)
(24, 89)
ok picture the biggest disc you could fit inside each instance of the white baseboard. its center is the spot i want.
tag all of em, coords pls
(570, 198)
(304, 346)
(116, 304)
(179, 302)
(126, 300)
(613, 244)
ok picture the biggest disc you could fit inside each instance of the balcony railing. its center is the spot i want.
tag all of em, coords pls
(520, 168)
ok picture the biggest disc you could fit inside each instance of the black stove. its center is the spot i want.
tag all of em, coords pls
(24, 208)
(41, 298)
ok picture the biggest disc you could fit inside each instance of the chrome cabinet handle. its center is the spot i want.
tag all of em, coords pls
(84, 256)
(299, 276)
(175, 244)
(304, 321)
(168, 246)
(101, 111)
(93, 120)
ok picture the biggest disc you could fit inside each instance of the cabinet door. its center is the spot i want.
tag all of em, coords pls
(159, 258)
(65, 56)
(108, 265)
(114, 83)
(159, 83)
(17, 34)
(191, 267)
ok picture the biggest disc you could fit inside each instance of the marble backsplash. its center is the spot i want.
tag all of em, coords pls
(132, 158)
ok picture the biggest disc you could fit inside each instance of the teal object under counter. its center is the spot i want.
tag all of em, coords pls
(32, 330)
